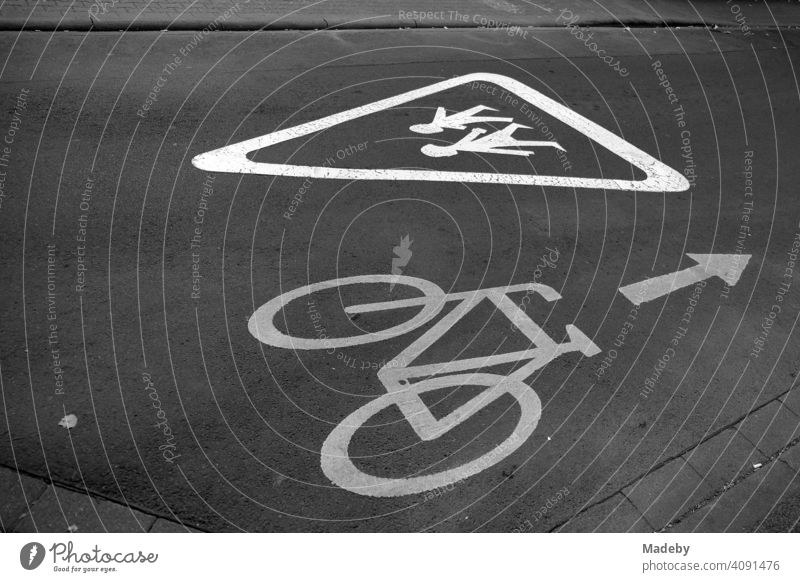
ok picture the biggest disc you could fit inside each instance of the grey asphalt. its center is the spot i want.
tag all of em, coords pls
(248, 420)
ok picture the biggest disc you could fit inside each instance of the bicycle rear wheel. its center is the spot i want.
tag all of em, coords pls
(262, 322)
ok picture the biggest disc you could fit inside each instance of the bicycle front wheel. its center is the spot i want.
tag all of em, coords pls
(340, 469)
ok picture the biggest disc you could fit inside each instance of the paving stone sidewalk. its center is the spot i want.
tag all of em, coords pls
(32, 505)
(745, 478)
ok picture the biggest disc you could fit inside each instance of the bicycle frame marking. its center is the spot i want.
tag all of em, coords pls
(336, 462)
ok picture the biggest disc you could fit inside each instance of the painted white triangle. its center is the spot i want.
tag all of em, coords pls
(660, 178)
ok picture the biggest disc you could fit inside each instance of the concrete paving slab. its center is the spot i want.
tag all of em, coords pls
(741, 508)
(791, 457)
(784, 517)
(616, 514)
(20, 492)
(792, 400)
(667, 492)
(62, 511)
(721, 459)
(771, 428)
(166, 526)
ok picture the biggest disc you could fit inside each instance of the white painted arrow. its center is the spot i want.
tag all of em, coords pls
(727, 267)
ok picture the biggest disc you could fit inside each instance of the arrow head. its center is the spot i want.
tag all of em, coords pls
(726, 267)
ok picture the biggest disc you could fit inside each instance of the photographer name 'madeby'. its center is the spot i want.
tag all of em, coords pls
(665, 549)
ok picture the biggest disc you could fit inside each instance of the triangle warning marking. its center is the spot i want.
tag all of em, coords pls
(660, 177)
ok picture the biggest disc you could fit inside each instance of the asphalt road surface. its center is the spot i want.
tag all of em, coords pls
(131, 276)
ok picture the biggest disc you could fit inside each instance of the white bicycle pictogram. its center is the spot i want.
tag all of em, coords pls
(403, 388)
